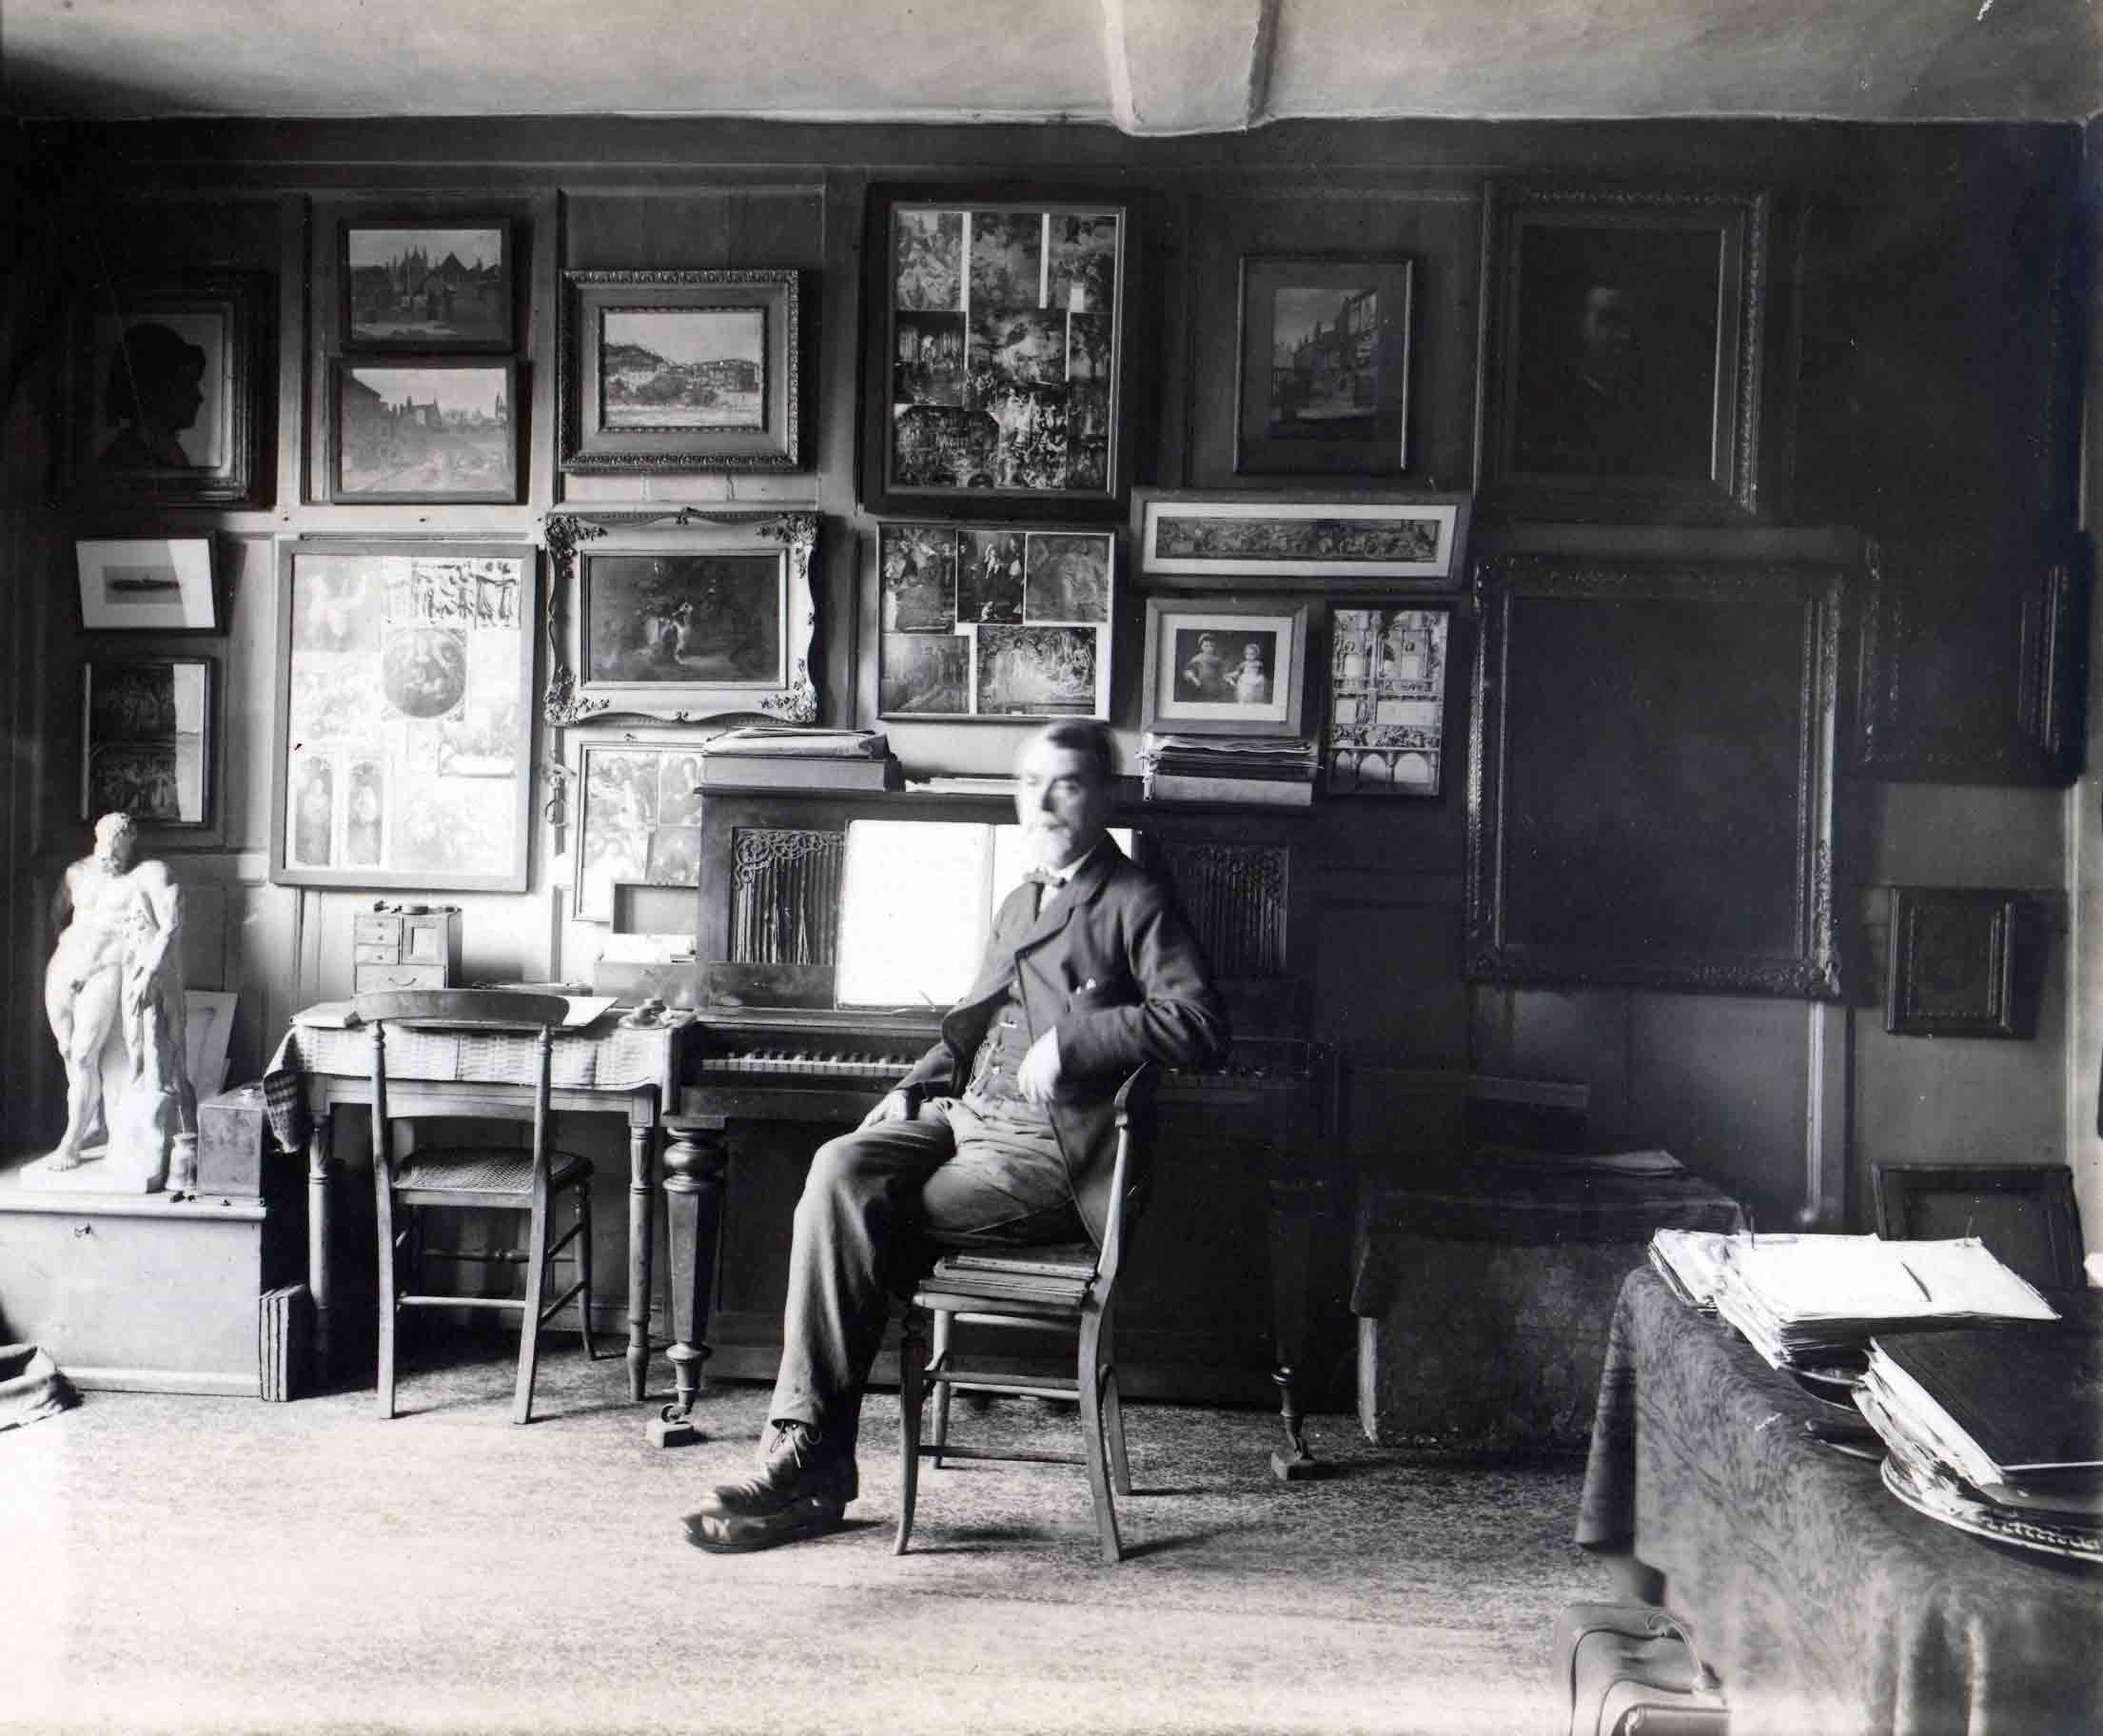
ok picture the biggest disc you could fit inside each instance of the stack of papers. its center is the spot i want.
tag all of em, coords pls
(1277, 770)
(1690, 1261)
(798, 742)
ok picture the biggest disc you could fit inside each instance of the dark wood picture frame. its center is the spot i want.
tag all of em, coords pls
(403, 663)
(364, 426)
(1622, 353)
(1384, 730)
(163, 400)
(941, 318)
(1330, 544)
(1285, 625)
(1596, 856)
(129, 714)
(2034, 1224)
(445, 306)
(1955, 963)
(746, 311)
(1339, 406)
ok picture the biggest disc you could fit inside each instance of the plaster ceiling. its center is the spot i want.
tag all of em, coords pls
(1146, 66)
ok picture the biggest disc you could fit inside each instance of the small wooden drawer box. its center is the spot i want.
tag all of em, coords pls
(405, 950)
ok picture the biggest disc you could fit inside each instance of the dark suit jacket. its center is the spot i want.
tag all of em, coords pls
(1115, 968)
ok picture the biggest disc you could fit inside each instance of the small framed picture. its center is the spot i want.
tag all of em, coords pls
(1225, 666)
(148, 585)
(1955, 964)
(163, 397)
(1324, 367)
(147, 742)
(438, 431)
(641, 820)
(1219, 541)
(1387, 716)
(680, 371)
(414, 283)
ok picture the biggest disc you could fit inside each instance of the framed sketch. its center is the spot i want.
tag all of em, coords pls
(994, 353)
(1386, 716)
(147, 742)
(1621, 367)
(993, 621)
(425, 284)
(164, 393)
(1225, 666)
(1324, 384)
(424, 431)
(403, 738)
(640, 820)
(1219, 541)
(1651, 764)
(1953, 963)
(680, 371)
(148, 585)
(685, 615)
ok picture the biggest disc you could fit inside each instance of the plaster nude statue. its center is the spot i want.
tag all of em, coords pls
(113, 993)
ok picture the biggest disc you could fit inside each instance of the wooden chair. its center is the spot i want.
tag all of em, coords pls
(2025, 1214)
(1036, 1289)
(498, 1179)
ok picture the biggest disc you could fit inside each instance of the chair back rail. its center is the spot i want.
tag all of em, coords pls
(1129, 1177)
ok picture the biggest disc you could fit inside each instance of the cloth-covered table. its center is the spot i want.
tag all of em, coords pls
(1825, 1604)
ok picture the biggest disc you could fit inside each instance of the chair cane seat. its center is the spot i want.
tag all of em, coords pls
(483, 1170)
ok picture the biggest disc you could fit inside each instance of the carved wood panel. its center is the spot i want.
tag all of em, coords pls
(1234, 895)
(785, 904)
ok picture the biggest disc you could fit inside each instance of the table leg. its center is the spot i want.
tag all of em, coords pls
(319, 1228)
(695, 1162)
(1292, 1206)
(640, 1193)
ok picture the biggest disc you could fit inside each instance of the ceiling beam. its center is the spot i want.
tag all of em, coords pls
(1188, 66)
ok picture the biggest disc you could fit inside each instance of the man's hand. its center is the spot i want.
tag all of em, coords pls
(892, 1106)
(1038, 1076)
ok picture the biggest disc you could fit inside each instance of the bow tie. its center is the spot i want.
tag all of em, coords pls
(1042, 877)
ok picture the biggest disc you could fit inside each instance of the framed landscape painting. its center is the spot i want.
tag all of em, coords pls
(438, 431)
(415, 284)
(1325, 366)
(685, 370)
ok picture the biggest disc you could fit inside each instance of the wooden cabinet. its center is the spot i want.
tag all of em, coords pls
(406, 950)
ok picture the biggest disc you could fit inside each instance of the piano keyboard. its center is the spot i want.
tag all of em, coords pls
(792, 1064)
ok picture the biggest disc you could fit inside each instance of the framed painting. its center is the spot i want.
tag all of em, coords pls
(993, 621)
(424, 431)
(640, 820)
(148, 585)
(1622, 356)
(147, 742)
(1954, 963)
(1651, 766)
(1225, 666)
(404, 741)
(1386, 714)
(164, 393)
(995, 354)
(425, 284)
(1218, 541)
(680, 371)
(683, 617)
(1324, 384)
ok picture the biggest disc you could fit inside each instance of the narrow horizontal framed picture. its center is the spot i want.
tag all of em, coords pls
(639, 821)
(414, 283)
(404, 740)
(1198, 540)
(682, 617)
(148, 585)
(147, 742)
(1324, 384)
(1954, 968)
(680, 371)
(163, 392)
(1225, 666)
(993, 621)
(1385, 733)
(424, 431)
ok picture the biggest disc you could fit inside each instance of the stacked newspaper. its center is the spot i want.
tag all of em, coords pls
(1273, 771)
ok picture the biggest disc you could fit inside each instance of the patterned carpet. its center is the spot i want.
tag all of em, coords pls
(224, 1566)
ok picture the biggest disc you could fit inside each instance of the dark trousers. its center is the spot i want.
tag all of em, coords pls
(876, 1204)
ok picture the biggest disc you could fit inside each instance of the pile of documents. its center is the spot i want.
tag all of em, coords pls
(1271, 771)
(784, 756)
(1690, 1262)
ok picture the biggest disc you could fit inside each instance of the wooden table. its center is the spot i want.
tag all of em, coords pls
(606, 1068)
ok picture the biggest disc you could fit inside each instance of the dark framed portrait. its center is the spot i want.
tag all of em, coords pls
(680, 371)
(147, 743)
(437, 431)
(1225, 666)
(1622, 375)
(165, 399)
(1958, 963)
(425, 284)
(1324, 384)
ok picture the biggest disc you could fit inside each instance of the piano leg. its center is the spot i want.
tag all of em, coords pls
(694, 1160)
(1293, 1203)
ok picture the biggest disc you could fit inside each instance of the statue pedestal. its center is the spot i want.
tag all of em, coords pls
(94, 1173)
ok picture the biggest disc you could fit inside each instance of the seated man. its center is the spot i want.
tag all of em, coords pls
(1001, 1134)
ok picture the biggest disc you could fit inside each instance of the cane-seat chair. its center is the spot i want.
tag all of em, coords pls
(1072, 1287)
(531, 1180)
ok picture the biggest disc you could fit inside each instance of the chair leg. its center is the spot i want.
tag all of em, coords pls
(1114, 1411)
(1092, 1436)
(584, 1267)
(529, 1324)
(912, 1366)
(382, 1206)
(943, 1323)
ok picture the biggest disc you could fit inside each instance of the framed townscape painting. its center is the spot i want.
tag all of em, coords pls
(147, 742)
(680, 371)
(1324, 384)
(163, 396)
(640, 823)
(148, 585)
(404, 738)
(1225, 666)
(435, 431)
(993, 621)
(412, 284)
(1220, 541)
(1621, 374)
(995, 352)
(1385, 733)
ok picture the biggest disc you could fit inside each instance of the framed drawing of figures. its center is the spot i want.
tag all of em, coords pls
(1387, 716)
(1198, 541)
(641, 820)
(1324, 367)
(680, 371)
(994, 353)
(1621, 361)
(410, 284)
(438, 431)
(147, 743)
(403, 741)
(164, 399)
(1651, 771)
(1225, 666)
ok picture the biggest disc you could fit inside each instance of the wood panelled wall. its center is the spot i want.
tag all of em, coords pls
(1917, 369)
